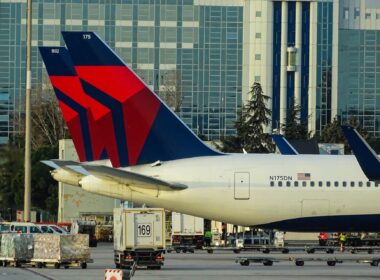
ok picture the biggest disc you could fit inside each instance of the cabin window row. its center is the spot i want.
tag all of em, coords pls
(323, 183)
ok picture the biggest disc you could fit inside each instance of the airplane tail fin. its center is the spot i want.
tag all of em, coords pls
(368, 160)
(60, 70)
(145, 129)
(283, 145)
(86, 119)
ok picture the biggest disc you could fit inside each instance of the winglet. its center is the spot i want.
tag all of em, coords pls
(283, 145)
(366, 156)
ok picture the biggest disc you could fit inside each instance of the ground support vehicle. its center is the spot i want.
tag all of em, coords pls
(211, 250)
(332, 249)
(139, 237)
(334, 261)
(300, 261)
(245, 261)
(327, 249)
(369, 249)
(187, 232)
(85, 227)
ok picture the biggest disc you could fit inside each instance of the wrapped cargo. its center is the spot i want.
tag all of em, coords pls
(16, 246)
(61, 247)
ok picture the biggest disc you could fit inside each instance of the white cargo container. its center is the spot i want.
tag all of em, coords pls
(139, 235)
(187, 232)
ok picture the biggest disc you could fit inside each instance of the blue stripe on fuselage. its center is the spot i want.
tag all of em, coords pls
(343, 223)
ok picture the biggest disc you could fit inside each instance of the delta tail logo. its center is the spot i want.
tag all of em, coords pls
(109, 111)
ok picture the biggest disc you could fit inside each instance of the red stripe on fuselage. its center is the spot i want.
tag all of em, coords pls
(99, 117)
(73, 124)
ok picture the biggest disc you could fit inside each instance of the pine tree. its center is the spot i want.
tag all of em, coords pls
(294, 129)
(332, 133)
(252, 120)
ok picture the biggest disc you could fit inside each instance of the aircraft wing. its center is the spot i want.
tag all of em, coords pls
(368, 160)
(283, 145)
(131, 179)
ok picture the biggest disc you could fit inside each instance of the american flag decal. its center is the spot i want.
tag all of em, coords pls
(303, 176)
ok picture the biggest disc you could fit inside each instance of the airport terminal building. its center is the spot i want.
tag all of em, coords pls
(320, 54)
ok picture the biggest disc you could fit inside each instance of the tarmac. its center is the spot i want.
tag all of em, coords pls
(219, 265)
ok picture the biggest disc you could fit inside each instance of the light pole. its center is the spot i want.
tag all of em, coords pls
(27, 193)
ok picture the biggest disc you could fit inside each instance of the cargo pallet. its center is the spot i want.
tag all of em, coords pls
(40, 263)
(266, 249)
(300, 261)
(211, 250)
(12, 261)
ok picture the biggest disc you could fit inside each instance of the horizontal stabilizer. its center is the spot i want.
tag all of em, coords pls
(78, 169)
(366, 156)
(56, 163)
(50, 163)
(283, 145)
(131, 179)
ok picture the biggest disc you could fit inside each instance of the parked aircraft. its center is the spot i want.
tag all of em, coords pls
(161, 162)
(283, 145)
(366, 156)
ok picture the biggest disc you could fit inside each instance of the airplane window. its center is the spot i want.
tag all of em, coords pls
(303, 184)
(312, 184)
(287, 183)
(272, 184)
(280, 184)
(328, 184)
(336, 184)
(360, 184)
(296, 183)
(352, 184)
(320, 184)
(377, 184)
(368, 184)
(344, 184)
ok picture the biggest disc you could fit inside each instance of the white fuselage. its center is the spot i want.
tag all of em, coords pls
(259, 189)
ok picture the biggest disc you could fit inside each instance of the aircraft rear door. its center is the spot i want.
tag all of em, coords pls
(241, 185)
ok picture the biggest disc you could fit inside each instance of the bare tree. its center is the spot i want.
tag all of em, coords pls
(47, 120)
(48, 125)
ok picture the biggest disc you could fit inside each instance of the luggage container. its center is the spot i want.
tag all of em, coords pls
(61, 250)
(16, 248)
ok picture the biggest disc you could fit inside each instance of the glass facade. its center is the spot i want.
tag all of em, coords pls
(291, 27)
(192, 52)
(324, 64)
(359, 78)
